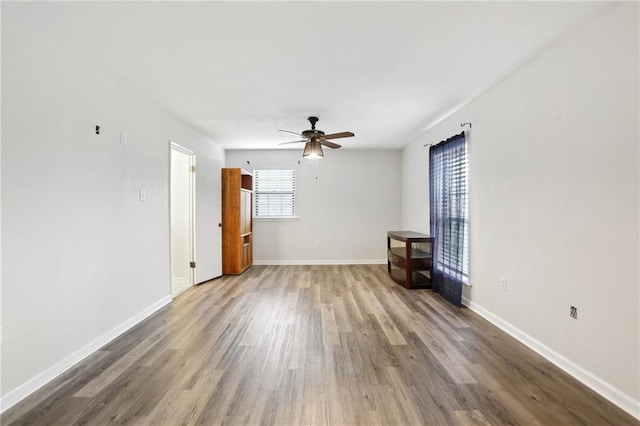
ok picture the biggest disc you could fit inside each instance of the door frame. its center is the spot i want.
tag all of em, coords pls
(192, 214)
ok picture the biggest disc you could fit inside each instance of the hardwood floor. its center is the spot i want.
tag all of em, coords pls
(314, 345)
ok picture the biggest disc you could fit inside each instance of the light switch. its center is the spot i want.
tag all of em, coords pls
(143, 195)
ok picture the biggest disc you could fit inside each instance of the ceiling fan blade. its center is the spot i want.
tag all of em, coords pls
(329, 144)
(289, 131)
(338, 135)
(286, 143)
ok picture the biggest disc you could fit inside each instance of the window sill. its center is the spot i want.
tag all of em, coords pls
(277, 219)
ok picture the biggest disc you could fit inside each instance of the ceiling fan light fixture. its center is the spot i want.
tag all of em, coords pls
(312, 149)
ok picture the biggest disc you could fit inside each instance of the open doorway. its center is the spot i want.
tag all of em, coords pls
(183, 200)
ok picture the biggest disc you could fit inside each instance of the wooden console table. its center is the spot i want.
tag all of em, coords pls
(410, 258)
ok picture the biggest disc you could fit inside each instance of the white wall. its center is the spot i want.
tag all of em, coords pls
(347, 201)
(554, 203)
(82, 257)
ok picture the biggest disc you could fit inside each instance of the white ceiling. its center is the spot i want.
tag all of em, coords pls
(239, 71)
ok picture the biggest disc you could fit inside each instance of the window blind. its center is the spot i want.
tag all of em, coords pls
(451, 211)
(274, 192)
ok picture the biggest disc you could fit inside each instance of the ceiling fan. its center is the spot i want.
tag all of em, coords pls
(314, 139)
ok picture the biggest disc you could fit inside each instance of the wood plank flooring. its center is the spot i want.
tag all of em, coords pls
(314, 345)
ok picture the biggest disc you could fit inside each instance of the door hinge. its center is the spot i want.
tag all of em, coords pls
(193, 168)
(192, 264)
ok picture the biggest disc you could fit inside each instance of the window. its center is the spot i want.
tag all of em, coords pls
(274, 193)
(449, 208)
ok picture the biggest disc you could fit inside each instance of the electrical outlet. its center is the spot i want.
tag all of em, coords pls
(317, 243)
(503, 284)
(573, 312)
(143, 195)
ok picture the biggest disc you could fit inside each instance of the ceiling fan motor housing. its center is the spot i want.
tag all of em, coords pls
(313, 132)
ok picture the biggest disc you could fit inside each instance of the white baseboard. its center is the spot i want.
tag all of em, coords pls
(322, 262)
(466, 302)
(32, 385)
(608, 391)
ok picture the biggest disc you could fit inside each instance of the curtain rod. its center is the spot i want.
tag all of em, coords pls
(461, 125)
